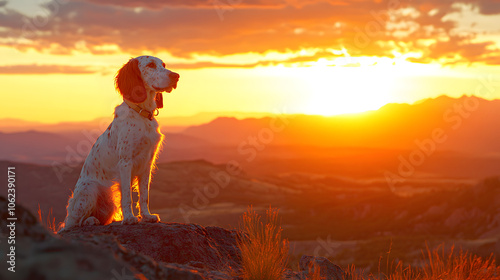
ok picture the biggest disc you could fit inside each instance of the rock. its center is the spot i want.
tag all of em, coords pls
(27, 225)
(166, 251)
(327, 270)
(41, 255)
(172, 251)
(209, 248)
(148, 268)
(293, 275)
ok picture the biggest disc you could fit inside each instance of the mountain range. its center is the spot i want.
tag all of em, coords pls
(445, 137)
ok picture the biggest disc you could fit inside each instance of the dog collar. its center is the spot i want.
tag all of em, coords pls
(143, 112)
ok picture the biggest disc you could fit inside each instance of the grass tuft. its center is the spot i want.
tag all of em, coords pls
(50, 222)
(264, 254)
(448, 265)
(437, 264)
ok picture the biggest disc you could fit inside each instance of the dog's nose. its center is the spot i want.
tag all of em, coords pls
(174, 76)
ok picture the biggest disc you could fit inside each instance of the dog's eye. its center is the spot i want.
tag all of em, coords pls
(152, 65)
(163, 64)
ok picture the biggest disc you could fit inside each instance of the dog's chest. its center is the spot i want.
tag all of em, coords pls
(149, 138)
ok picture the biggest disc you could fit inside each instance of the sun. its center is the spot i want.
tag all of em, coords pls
(334, 90)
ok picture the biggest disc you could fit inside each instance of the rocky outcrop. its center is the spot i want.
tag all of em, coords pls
(38, 254)
(141, 251)
(196, 247)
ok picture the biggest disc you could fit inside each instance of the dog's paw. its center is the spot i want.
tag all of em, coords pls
(91, 221)
(151, 218)
(130, 220)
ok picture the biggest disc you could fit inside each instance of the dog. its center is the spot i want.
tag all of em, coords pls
(124, 155)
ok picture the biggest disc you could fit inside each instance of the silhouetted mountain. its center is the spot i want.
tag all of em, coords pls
(465, 124)
(445, 137)
(169, 124)
(73, 147)
(33, 146)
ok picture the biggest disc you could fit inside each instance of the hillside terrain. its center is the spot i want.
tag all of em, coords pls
(345, 220)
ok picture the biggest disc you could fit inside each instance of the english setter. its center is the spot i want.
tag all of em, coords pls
(125, 153)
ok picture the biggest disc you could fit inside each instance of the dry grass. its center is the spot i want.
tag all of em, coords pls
(442, 265)
(50, 222)
(352, 274)
(264, 254)
(437, 264)
(316, 273)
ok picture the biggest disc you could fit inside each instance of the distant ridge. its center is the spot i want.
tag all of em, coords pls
(468, 124)
(465, 125)
(170, 124)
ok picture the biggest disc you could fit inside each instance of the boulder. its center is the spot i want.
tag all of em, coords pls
(38, 254)
(209, 248)
(143, 251)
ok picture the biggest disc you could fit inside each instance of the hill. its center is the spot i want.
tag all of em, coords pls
(323, 215)
(465, 123)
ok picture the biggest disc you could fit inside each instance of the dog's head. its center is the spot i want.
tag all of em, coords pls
(143, 75)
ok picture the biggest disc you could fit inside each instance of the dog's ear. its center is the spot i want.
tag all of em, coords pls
(129, 83)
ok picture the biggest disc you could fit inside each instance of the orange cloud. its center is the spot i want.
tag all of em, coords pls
(45, 69)
(365, 28)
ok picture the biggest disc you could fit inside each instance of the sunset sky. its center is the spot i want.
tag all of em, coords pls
(58, 58)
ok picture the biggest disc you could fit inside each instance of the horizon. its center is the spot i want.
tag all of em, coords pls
(206, 117)
(296, 134)
(319, 58)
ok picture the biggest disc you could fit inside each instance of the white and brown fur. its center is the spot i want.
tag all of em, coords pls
(125, 153)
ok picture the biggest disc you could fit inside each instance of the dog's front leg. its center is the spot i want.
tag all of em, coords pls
(126, 199)
(146, 216)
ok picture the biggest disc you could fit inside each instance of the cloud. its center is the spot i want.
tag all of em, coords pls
(459, 52)
(188, 28)
(208, 64)
(489, 7)
(302, 59)
(44, 69)
(213, 4)
(184, 31)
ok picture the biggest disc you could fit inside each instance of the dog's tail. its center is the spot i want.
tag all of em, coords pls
(114, 195)
(93, 200)
(107, 207)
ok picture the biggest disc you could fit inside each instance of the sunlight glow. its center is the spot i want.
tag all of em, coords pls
(328, 85)
(353, 85)
(340, 90)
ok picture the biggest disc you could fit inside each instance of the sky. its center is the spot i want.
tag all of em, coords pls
(59, 57)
